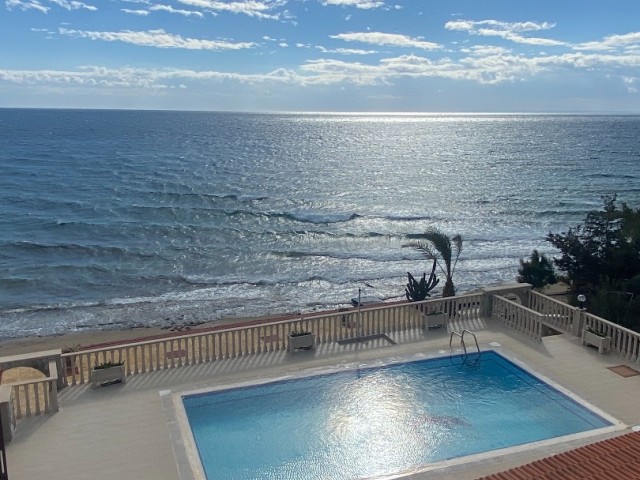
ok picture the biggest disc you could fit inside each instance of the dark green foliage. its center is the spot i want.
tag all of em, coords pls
(299, 333)
(538, 271)
(104, 365)
(419, 290)
(607, 245)
(596, 332)
(612, 300)
(633, 285)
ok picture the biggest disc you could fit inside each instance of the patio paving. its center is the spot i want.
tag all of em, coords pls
(123, 431)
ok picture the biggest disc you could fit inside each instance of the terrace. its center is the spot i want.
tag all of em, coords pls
(65, 429)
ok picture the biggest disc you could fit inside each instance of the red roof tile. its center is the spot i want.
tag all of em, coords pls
(616, 458)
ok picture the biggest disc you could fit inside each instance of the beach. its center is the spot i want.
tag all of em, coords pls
(97, 338)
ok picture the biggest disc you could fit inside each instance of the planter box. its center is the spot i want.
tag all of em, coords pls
(603, 344)
(302, 341)
(102, 376)
(434, 320)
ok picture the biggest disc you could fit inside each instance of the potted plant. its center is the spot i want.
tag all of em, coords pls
(107, 373)
(597, 339)
(301, 339)
(434, 320)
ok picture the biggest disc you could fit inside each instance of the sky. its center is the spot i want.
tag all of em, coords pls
(322, 55)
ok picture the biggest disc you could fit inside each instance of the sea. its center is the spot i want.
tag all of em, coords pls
(114, 219)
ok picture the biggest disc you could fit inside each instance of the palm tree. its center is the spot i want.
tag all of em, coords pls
(445, 250)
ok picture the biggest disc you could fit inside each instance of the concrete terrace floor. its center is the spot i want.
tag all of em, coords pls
(123, 431)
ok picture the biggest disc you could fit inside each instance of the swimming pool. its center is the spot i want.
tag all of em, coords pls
(378, 421)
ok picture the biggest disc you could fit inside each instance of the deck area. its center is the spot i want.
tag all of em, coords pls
(125, 431)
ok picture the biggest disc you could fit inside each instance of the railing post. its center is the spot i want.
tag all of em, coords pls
(486, 304)
(7, 413)
(577, 322)
(54, 383)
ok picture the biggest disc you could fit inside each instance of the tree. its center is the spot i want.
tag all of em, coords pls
(602, 260)
(538, 271)
(607, 245)
(444, 250)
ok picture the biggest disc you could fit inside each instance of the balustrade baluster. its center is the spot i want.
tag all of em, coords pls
(225, 336)
(48, 390)
(217, 350)
(207, 353)
(36, 397)
(250, 346)
(27, 400)
(17, 404)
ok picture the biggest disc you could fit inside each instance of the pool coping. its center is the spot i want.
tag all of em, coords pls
(188, 459)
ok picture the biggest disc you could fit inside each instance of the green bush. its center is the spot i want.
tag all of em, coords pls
(538, 271)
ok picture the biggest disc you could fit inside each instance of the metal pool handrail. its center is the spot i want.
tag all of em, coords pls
(461, 335)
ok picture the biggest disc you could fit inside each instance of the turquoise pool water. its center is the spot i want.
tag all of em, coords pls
(378, 421)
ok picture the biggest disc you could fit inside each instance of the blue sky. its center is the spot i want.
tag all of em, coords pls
(322, 55)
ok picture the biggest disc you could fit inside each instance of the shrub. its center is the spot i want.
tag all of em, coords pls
(538, 271)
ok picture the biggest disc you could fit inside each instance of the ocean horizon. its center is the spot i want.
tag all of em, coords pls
(121, 218)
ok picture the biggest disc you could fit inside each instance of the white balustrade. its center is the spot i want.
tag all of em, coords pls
(558, 315)
(195, 348)
(625, 342)
(521, 319)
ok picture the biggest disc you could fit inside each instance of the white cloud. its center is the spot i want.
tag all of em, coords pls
(612, 42)
(328, 71)
(630, 83)
(252, 8)
(362, 4)
(482, 64)
(170, 9)
(140, 13)
(485, 50)
(496, 25)
(94, 76)
(73, 5)
(491, 69)
(345, 51)
(44, 5)
(26, 5)
(508, 31)
(390, 39)
(157, 38)
(494, 68)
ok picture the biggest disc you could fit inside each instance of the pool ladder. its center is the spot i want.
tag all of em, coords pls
(464, 346)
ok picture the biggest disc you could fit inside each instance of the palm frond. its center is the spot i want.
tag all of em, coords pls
(425, 248)
(457, 241)
(442, 244)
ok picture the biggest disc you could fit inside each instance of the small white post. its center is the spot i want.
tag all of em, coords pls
(359, 314)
